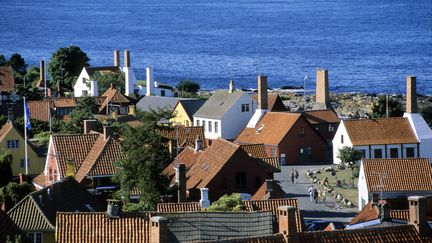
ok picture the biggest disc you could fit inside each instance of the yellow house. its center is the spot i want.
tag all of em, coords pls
(13, 141)
(184, 111)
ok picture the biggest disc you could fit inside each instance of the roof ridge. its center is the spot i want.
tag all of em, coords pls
(91, 158)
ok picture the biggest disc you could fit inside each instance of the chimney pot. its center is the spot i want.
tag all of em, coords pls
(198, 144)
(418, 214)
(288, 223)
(181, 182)
(159, 229)
(411, 94)
(231, 86)
(70, 168)
(42, 71)
(113, 208)
(150, 81)
(116, 58)
(126, 58)
(269, 185)
(322, 90)
(262, 93)
(22, 178)
(204, 201)
(132, 110)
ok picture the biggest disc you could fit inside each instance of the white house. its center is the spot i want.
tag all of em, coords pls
(421, 129)
(225, 113)
(393, 178)
(86, 86)
(377, 138)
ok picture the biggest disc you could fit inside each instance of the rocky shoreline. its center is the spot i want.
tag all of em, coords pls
(346, 105)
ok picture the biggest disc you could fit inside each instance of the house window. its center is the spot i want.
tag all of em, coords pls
(272, 152)
(377, 153)
(198, 122)
(12, 144)
(362, 153)
(301, 131)
(257, 181)
(84, 93)
(409, 152)
(34, 237)
(342, 140)
(210, 126)
(216, 124)
(241, 180)
(309, 151)
(394, 153)
(245, 108)
(162, 92)
(331, 128)
(124, 110)
(204, 125)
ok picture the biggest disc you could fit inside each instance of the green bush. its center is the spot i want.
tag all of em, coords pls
(232, 202)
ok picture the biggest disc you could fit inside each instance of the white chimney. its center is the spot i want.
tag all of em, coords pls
(204, 202)
(150, 82)
(130, 80)
(94, 88)
(231, 86)
(262, 102)
(197, 144)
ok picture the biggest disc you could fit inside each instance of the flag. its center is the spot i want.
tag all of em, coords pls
(27, 116)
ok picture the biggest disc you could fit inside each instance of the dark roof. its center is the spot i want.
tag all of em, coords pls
(262, 194)
(371, 212)
(274, 102)
(7, 227)
(321, 116)
(219, 103)
(66, 195)
(409, 174)
(7, 82)
(191, 106)
(276, 238)
(402, 233)
(97, 227)
(92, 70)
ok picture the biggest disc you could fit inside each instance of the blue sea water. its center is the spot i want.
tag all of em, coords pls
(367, 45)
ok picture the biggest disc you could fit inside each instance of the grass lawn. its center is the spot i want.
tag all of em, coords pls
(345, 177)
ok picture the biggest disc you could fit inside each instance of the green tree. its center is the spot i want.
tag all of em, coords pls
(32, 76)
(3, 61)
(349, 157)
(18, 64)
(67, 62)
(105, 81)
(83, 111)
(5, 168)
(232, 202)
(144, 157)
(188, 87)
(379, 107)
(13, 192)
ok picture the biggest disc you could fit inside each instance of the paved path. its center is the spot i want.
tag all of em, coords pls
(328, 211)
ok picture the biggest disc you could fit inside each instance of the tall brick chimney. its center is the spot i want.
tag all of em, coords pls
(262, 93)
(418, 214)
(287, 223)
(411, 94)
(159, 229)
(116, 58)
(127, 58)
(181, 182)
(42, 71)
(322, 90)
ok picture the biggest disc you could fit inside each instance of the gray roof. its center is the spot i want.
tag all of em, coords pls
(203, 226)
(192, 106)
(147, 103)
(219, 103)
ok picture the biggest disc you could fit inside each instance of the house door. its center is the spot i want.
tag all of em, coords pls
(305, 154)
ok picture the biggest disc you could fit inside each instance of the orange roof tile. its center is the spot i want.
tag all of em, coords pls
(321, 116)
(186, 135)
(403, 233)
(64, 102)
(273, 205)
(255, 150)
(187, 157)
(96, 227)
(7, 82)
(114, 96)
(394, 130)
(410, 174)
(5, 130)
(262, 194)
(39, 110)
(178, 207)
(264, 131)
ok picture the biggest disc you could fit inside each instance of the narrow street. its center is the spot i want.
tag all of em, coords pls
(328, 211)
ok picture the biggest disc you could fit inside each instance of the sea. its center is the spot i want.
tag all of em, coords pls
(368, 46)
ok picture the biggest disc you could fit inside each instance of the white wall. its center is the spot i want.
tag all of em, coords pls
(363, 194)
(423, 133)
(82, 84)
(337, 143)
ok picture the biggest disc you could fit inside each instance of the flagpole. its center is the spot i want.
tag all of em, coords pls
(25, 137)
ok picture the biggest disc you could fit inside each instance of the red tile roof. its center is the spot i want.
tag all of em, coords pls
(39, 110)
(113, 96)
(371, 212)
(321, 116)
(410, 174)
(403, 233)
(186, 135)
(178, 207)
(187, 157)
(273, 205)
(255, 150)
(97, 227)
(264, 131)
(394, 130)
(5, 129)
(7, 82)
(62, 102)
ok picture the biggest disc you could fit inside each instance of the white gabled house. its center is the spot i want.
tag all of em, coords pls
(393, 179)
(225, 114)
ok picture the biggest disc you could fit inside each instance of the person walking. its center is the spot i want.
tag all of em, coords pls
(311, 191)
(316, 195)
(292, 174)
(323, 195)
(296, 174)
